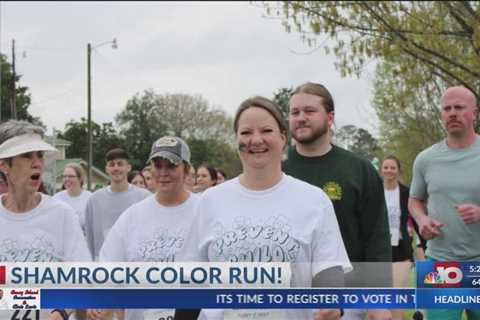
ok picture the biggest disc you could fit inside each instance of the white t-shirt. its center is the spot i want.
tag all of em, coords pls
(291, 222)
(48, 233)
(148, 231)
(392, 198)
(78, 203)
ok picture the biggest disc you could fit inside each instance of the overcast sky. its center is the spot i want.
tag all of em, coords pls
(224, 51)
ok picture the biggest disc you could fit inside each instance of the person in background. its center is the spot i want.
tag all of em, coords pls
(206, 177)
(396, 197)
(190, 179)
(136, 178)
(107, 204)
(149, 182)
(221, 176)
(74, 195)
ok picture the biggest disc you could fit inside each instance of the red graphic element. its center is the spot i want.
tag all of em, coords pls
(3, 271)
(450, 273)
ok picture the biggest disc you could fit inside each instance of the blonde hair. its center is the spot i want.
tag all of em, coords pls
(78, 171)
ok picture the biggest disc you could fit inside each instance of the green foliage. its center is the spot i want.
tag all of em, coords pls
(139, 128)
(442, 36)
(420, 47)
(282, 98)
(409, 114)
(215, 153)
(150, 116)
(22, 99)
(359, 141)
(104, 138)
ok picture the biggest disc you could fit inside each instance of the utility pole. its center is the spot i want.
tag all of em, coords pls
(89, 113)
(14, 90)
(89, 106)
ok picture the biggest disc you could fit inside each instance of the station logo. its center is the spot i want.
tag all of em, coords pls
(444, 275)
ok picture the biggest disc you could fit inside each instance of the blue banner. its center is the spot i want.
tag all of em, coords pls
(448, 298)
(436, 274)
(228, 298)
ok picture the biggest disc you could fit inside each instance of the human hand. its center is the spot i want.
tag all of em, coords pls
(469, 213)
(429, 227)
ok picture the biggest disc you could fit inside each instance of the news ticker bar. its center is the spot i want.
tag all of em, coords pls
(228, 298)
(304, 298)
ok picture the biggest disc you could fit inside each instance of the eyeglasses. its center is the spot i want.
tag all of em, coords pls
(65, 176)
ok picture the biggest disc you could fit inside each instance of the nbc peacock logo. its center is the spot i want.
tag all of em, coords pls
(433, 278)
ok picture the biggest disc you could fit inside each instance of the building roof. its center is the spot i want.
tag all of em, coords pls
(58, 141)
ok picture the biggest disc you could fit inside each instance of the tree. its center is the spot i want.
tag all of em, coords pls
(359, 141)
(409, 114)
(443, 37)
(139, 127)
(22, 98)
(282, 98)
(104, 136)
(150, 116)
(216, 153)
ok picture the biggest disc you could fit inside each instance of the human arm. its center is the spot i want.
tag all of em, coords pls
(329, 278)
(328, 247)
(89, 226)
(428, 227)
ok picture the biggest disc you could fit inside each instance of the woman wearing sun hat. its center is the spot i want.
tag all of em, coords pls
(34, 227)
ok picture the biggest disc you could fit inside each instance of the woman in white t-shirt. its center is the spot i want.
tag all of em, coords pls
(155, 229)
(34, 227)
(396, 198)
(264, 215)
(74, 195)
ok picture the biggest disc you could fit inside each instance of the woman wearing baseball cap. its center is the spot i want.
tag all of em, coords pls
(140, 232)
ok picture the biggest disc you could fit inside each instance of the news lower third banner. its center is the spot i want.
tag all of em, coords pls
(448, 285)
(27, 286)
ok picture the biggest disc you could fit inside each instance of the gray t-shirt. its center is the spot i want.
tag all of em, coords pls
(103, 209)
(444, 178)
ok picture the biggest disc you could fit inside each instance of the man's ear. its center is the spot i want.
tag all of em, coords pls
(331, 118)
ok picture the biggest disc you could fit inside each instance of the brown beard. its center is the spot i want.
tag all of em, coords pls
(314, 136)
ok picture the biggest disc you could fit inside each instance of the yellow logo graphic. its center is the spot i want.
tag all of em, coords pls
(333, 190)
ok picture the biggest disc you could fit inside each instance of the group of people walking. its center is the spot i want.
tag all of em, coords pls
(324, 210)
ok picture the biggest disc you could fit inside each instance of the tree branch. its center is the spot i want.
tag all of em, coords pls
(416, 45)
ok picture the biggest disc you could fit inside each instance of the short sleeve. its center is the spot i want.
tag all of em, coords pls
(328, 249)
(418, 187)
